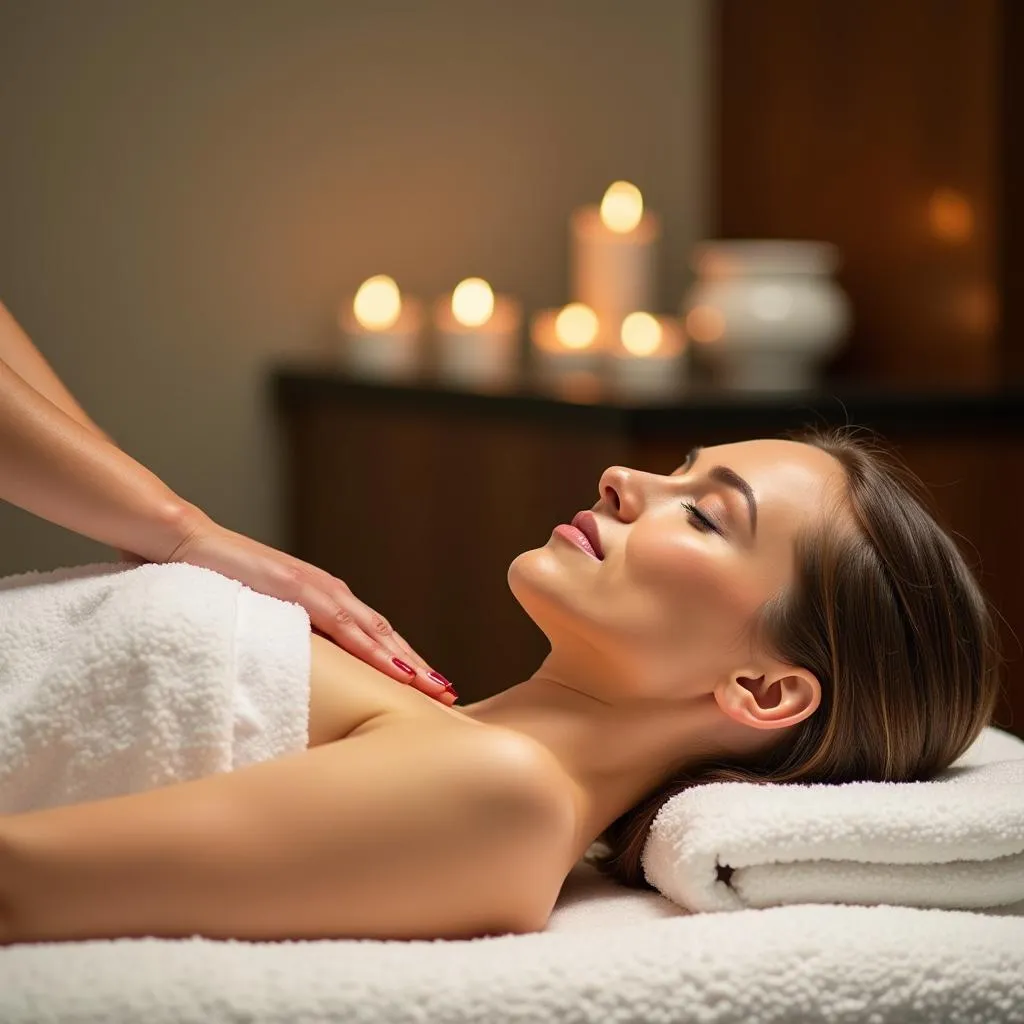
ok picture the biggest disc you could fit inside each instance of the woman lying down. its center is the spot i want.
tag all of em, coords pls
(773, 610)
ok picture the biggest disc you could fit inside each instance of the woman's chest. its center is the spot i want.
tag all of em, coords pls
(346, 694)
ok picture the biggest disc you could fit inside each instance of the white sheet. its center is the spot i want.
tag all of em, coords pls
(609, 954)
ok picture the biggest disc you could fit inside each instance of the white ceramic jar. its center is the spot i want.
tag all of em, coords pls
(765, 314)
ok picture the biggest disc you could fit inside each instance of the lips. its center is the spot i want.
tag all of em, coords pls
(586, 523)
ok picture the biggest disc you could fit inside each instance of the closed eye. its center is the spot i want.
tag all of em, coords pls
(701, 521)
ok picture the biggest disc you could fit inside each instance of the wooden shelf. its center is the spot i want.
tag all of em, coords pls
(901, 410)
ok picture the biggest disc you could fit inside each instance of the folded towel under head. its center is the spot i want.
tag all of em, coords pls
(118, 679)
(954, 842)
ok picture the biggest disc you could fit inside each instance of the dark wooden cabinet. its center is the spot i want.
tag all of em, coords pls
(420, 498)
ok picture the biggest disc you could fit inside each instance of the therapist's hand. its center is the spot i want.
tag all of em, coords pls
(333, 609)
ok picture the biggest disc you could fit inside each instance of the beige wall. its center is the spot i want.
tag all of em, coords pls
(188, 186)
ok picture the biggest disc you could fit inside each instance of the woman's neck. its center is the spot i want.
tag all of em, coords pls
(614, 748)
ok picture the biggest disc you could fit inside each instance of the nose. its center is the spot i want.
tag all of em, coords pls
(621, 490)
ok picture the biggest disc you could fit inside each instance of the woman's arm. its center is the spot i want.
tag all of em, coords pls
(54, 467)
(18, 352)
(399, 832)
(56, 463)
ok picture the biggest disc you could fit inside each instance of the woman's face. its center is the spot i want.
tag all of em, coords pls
(687, 560)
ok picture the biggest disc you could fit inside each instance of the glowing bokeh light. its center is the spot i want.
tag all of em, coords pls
(622, 207)
(950, 215)
(705, 323)
(641, 334)
(378, 303)
(576, 326)
(472, 302)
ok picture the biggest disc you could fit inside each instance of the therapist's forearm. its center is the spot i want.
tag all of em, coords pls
(53, 466)
(18, 352)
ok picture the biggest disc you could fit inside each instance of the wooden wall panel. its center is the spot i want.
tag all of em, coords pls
(1010, 190)
(877, 125)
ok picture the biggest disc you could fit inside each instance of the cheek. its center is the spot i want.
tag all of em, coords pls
(690, 588)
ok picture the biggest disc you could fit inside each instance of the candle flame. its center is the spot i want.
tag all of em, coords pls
(472, 302)
(622, 207)
(641, 334)
(378, 303)
(576, 325)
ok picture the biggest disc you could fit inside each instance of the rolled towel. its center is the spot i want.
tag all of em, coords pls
(117, 679)
(955, 842)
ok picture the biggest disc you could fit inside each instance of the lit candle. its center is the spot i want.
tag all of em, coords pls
(381, 331)
(649, 361)
(477, 335)
(613, 252)
(566, 347)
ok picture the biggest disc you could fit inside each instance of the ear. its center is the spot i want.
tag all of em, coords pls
(779, 697)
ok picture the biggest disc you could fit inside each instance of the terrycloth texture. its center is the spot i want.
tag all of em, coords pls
(117, 679)
(832, 964)
(956, 842)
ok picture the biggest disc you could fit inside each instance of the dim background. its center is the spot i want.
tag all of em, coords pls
(188, 188)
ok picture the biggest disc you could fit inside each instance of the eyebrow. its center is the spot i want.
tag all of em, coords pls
(731, 478)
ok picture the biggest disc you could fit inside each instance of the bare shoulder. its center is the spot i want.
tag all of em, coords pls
(499, 764)
(552, 817)
(528, 801)
(520, 767)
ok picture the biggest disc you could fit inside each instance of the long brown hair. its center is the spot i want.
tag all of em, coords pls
(891, 620)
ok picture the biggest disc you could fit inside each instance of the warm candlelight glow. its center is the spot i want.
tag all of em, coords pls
(622, 207)
(641, 334)
(472, 302)
(377, 304)
(950, 215)
(705, 323)
(576, 326)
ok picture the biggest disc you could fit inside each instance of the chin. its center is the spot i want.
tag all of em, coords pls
(536, 569)
(537, 579)
(522, 574)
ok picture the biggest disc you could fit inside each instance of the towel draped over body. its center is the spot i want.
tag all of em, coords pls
(117, 679)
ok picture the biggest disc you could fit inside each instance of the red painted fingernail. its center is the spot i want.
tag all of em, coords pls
(405, 668)
(438, 678)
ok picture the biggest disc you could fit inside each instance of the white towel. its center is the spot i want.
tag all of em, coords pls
(117, 679)
(955, 842)
(834, 964)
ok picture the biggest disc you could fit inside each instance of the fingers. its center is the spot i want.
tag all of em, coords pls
(373, 623)
(367, 635)
(333, 609)
(410, 656)
(354, 640)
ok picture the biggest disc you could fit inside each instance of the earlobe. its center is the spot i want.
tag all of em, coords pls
(772, 700)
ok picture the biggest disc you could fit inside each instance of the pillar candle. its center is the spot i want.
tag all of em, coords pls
(650, 360)
(566, 352)
(613, 250)
(381, 331)
(477, 335)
